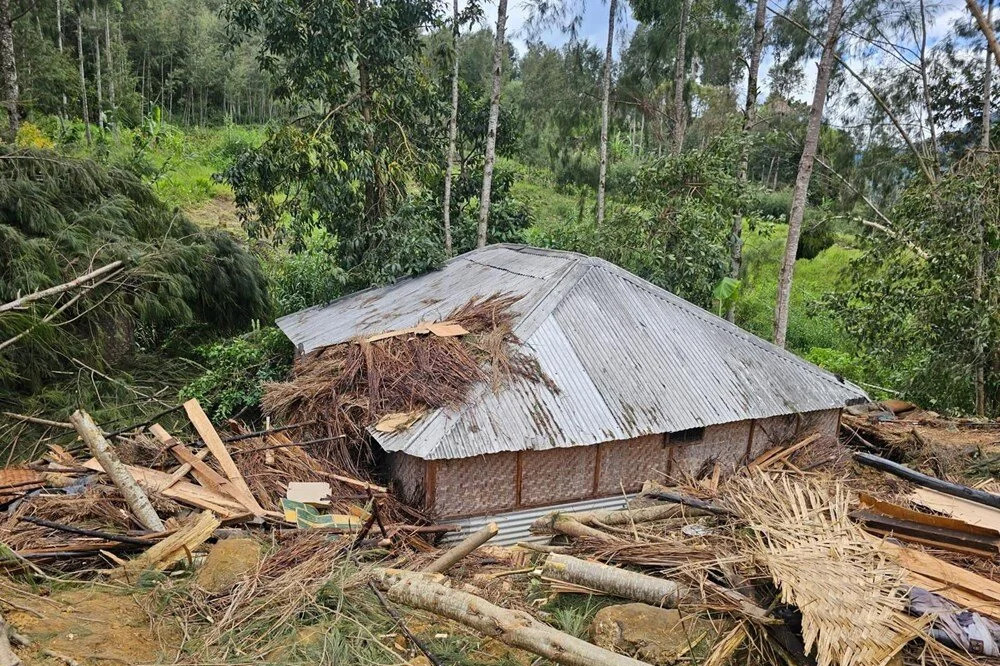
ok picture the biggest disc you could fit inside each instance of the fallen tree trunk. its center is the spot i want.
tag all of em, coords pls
(7, 656)
(646, 514)
(613, 581)
(512, 627)
(565, 523)
(463, 548)
(105, 454)
(946, 487)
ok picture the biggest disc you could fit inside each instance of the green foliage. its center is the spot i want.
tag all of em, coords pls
(674, 231)
(59, 216)
(305, 278)
(237, 369)
(370, 124)
(928, 317)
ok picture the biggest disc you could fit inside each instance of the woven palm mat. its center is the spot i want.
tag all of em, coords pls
(853, 608)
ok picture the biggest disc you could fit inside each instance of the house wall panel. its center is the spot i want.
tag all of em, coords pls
(627, 463)
(725, 444)
(786, 430)
(557, 475)
(476, 485)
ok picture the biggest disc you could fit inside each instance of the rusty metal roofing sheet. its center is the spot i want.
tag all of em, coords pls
(628, 358)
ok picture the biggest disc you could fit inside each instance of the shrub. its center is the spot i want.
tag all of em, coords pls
(237, 370)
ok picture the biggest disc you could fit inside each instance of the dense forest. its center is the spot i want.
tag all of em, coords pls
(176, 174)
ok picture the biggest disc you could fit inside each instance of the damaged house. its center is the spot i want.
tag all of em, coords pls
(639, 384)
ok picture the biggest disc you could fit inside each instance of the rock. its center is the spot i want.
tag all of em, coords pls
(657, 635)
(228, 561)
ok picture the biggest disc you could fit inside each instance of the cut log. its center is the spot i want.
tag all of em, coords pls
(463, 548)
(174, 548)
(627, 516)
(105, 454)
(564, 523)
(613, 581)
(214, 444)
(512, 627)
(904, 472)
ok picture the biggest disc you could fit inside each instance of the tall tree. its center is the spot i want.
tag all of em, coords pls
(452, 130)
(605, 104)
(499, 45)
(749, 117)
(8, 70)
(680, 79)
(981, 248)
(798, 206)
(83, 74)
(986, 27)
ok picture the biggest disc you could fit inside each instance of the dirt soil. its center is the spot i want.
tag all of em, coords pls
(94, 625)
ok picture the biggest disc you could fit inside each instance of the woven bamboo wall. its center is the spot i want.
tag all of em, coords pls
(484, 485)
(475, 486)
(768, 433)
(725, 444)
(628, 463)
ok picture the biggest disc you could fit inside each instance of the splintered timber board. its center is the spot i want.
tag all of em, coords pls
(214, 444)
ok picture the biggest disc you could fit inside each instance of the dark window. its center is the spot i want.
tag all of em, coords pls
(685, 436)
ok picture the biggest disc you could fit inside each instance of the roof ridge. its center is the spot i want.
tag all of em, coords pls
(718, 322)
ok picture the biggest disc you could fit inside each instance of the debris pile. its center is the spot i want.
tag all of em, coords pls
(252, 544)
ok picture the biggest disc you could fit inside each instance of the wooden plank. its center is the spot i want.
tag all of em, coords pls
(182, 491)
(206, 476)
(902, 471)
(783, 452)
(956, 507)
(214, 444)
(927, 565)
(173, 549)
(903, 513)
(939, 537)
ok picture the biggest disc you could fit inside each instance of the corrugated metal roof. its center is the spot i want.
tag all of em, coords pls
(629, 358)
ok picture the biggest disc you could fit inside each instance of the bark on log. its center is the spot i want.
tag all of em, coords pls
(904, 472)
(463, 548)
(564, 523)
(512, 627)
(105, 454)
(613, 581)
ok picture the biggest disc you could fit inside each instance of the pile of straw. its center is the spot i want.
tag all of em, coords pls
(348, 387)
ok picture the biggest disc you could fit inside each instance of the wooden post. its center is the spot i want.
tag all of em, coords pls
(463, 548)
(105, 454)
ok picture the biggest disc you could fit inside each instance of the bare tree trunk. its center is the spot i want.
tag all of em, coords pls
(605, 104)
(680, 78)
(749, 116)
(83, 76)
(512, 627)
(499, 47)
(798, 206)
(927, 89)
(613, 581)
(452, 557)
(986, 27)
(97, 74)
(452, 131)
(101, 449)
(111, 67)
(8, 71)
(980, 355)
(59, 41)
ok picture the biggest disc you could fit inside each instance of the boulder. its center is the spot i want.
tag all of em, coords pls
(228, 561)
(658, 635)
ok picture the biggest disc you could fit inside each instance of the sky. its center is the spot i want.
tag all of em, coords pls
(594, 28)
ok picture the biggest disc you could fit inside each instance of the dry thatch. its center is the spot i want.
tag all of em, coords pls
(348, 387)
(850, 594)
